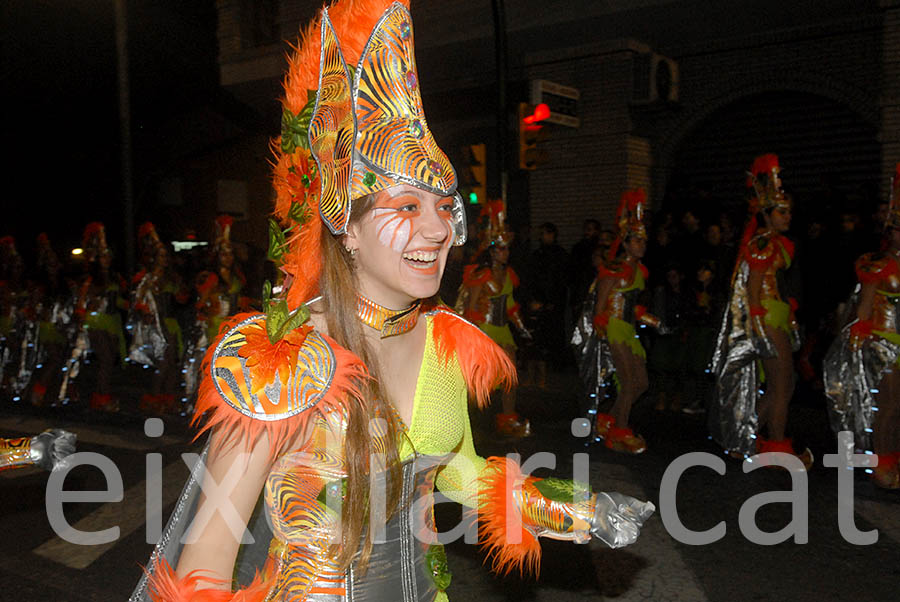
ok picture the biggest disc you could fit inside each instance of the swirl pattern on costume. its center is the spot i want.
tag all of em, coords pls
(312, 376)
(331, 132)
(393, 142)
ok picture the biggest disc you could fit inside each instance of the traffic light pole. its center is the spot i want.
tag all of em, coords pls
(502, 119)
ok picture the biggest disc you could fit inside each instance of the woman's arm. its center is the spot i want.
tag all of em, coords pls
(240, 475)
(866, 301)
(604, 288)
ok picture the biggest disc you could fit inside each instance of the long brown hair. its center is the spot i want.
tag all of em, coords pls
(338, 287)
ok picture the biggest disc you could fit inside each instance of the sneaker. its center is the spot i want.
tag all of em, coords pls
(602, 425)
(624, 440)
(513, 425)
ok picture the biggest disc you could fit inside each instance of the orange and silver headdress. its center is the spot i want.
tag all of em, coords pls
(764, 178)
(630, 214)
(352, 125)
(93, 241)
(223, 232)
(629, 218)
(493, 225)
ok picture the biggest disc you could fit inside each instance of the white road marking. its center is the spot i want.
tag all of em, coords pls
(129, 515)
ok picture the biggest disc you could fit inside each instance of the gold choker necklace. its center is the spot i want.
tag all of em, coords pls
(389, 322)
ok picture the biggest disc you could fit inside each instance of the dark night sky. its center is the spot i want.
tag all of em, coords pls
(60, 103)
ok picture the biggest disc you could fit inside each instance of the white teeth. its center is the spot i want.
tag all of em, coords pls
(423, 256)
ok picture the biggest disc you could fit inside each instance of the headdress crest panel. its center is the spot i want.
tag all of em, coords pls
(630, 214)
(765, 179)
(393, 142)
(332, 130)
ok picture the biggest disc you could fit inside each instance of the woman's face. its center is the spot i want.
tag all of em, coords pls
(779, 219)
(500, 254)
(636, 246)
(402, 245)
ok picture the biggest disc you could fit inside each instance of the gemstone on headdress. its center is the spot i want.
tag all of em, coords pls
(416, 129)
(369, 179)
(411, 79)
(405, 30)
(435, 168)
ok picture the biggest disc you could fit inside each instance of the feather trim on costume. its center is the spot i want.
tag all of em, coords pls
(295, 176)
(215, 412)
(502, 533)
(484, 365)
(616, 269)
(475, 275)
(165, 586)
(764, 164)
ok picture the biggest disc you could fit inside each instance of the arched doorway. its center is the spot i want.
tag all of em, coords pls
(830, 156)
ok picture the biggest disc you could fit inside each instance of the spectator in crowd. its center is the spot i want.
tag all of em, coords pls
(689, 244)
(706, 301)
(582, 271)
(545, 286)
(667, 357)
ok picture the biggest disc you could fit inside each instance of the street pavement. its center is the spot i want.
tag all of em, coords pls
(38, 565)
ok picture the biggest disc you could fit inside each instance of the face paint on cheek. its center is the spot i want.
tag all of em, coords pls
(393, 229)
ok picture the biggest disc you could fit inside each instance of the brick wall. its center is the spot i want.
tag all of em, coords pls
(844, 50)
(890, 91)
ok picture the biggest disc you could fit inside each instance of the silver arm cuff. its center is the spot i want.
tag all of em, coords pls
(618, 518)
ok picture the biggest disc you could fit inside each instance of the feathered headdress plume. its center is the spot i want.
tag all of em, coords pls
(223, 232)
(93, 241)
(765, 180)
(629, 218)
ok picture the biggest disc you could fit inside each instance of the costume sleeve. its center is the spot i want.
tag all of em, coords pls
(515, 509)
(47, 450)
(458, 480)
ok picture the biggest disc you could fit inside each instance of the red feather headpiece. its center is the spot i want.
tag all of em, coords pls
(765, 181)
(94, 241)
(629, 218)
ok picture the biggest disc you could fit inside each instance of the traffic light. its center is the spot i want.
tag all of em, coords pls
(473, 176)
(531, 132)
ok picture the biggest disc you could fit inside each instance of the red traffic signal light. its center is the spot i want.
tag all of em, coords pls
(530, 133)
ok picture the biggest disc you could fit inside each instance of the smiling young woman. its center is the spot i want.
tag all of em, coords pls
(346, 403)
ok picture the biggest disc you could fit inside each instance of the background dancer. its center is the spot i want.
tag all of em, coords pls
(758, 326)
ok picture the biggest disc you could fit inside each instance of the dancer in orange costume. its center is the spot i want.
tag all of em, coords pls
(758, 328)
(617, 312)
(345, 404)
(486, 299)
(48, 450)
(862, 367)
